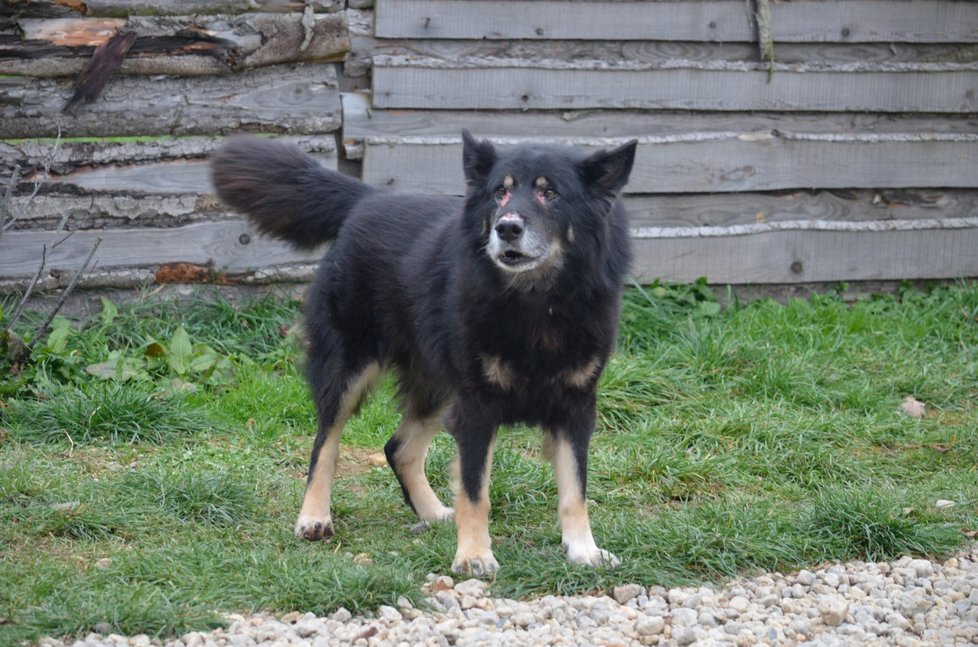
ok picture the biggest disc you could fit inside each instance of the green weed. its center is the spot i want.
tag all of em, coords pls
(111, 413)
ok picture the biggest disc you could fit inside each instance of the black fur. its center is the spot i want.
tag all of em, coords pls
(410, 283)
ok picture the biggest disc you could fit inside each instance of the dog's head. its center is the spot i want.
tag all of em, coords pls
(537, 206)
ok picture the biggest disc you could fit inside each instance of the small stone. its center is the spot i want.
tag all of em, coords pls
(307, 628)
(522, 619)
(678, 596)
(921, 567)
(291, 617)
(684, 617)
(693, 601)
(474, 587)
(739, 603)
(944, 503)
(833, 610)
(389, 614)
(913, 407)
(806, 578)
(586, 622)
(622, 594)
(707, 619)
(342, 615)
(442, 583)
(404, 603)
(650, 625)
(733, 628)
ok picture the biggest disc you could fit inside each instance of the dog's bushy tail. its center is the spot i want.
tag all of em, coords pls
(284, 192)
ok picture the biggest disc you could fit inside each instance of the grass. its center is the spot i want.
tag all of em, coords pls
(158, 489)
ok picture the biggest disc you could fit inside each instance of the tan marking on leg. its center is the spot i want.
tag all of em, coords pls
(497, 372)
(575, 524)
(473, 555)
(582, 377)
(415, 437)
(315, 520)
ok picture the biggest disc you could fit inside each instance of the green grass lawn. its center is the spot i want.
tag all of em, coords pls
(152, 460)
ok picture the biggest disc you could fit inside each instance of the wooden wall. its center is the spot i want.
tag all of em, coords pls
(849, 154)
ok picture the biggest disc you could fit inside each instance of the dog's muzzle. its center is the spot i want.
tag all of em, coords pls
(516, 247)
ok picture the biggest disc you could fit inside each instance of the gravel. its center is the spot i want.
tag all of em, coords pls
(907, 602)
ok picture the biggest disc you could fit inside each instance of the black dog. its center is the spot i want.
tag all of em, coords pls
(498, 308)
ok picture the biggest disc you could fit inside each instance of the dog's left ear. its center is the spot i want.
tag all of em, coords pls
(609, 170)
(477, 159)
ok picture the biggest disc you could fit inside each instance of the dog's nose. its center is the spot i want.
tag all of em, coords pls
(509, 227)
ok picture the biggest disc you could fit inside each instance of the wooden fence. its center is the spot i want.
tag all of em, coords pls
(824, 140)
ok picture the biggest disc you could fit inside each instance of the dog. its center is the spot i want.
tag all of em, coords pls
(497, 308)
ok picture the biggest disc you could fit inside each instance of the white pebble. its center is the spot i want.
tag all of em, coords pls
(650, 625)
(833, 609)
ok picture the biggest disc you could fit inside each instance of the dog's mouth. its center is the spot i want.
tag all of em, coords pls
(513, 258)
(523, 256)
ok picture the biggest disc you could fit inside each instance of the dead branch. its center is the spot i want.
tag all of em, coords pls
(27, 294)
(64, 295)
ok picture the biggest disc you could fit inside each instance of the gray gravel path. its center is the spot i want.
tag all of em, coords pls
(907, 602)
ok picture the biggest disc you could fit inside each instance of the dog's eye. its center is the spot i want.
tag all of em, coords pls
(549, 194)
(500, 192)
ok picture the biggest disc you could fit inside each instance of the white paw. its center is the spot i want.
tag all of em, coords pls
(476, 565)
(313, 528)
(590, 556)
(446, 514)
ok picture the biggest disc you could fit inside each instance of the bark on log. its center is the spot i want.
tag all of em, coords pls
(292, 99)
(186, 45)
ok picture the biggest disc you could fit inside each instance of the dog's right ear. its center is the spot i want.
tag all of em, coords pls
(477, 159)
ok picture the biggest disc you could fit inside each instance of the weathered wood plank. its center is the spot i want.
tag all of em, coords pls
(509, 84)
(225, 246)
(124, 8)
(284, 99)
(812, 252)
(73, 212)
(176, 44)
(119, 165)
(164, 178)
(131, 278)
(680, 152)
(751, 163)
(711, 20)
(728, 210)
(648, 55)
(361, 123)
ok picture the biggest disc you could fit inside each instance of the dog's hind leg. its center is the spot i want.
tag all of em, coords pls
(568, 453)
(406, 451)
(337, 398)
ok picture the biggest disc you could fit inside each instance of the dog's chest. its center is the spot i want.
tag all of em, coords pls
(541, 356)
(522, 375)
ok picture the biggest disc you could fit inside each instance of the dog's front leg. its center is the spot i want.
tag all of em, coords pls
(567, 448)
(473, 465)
